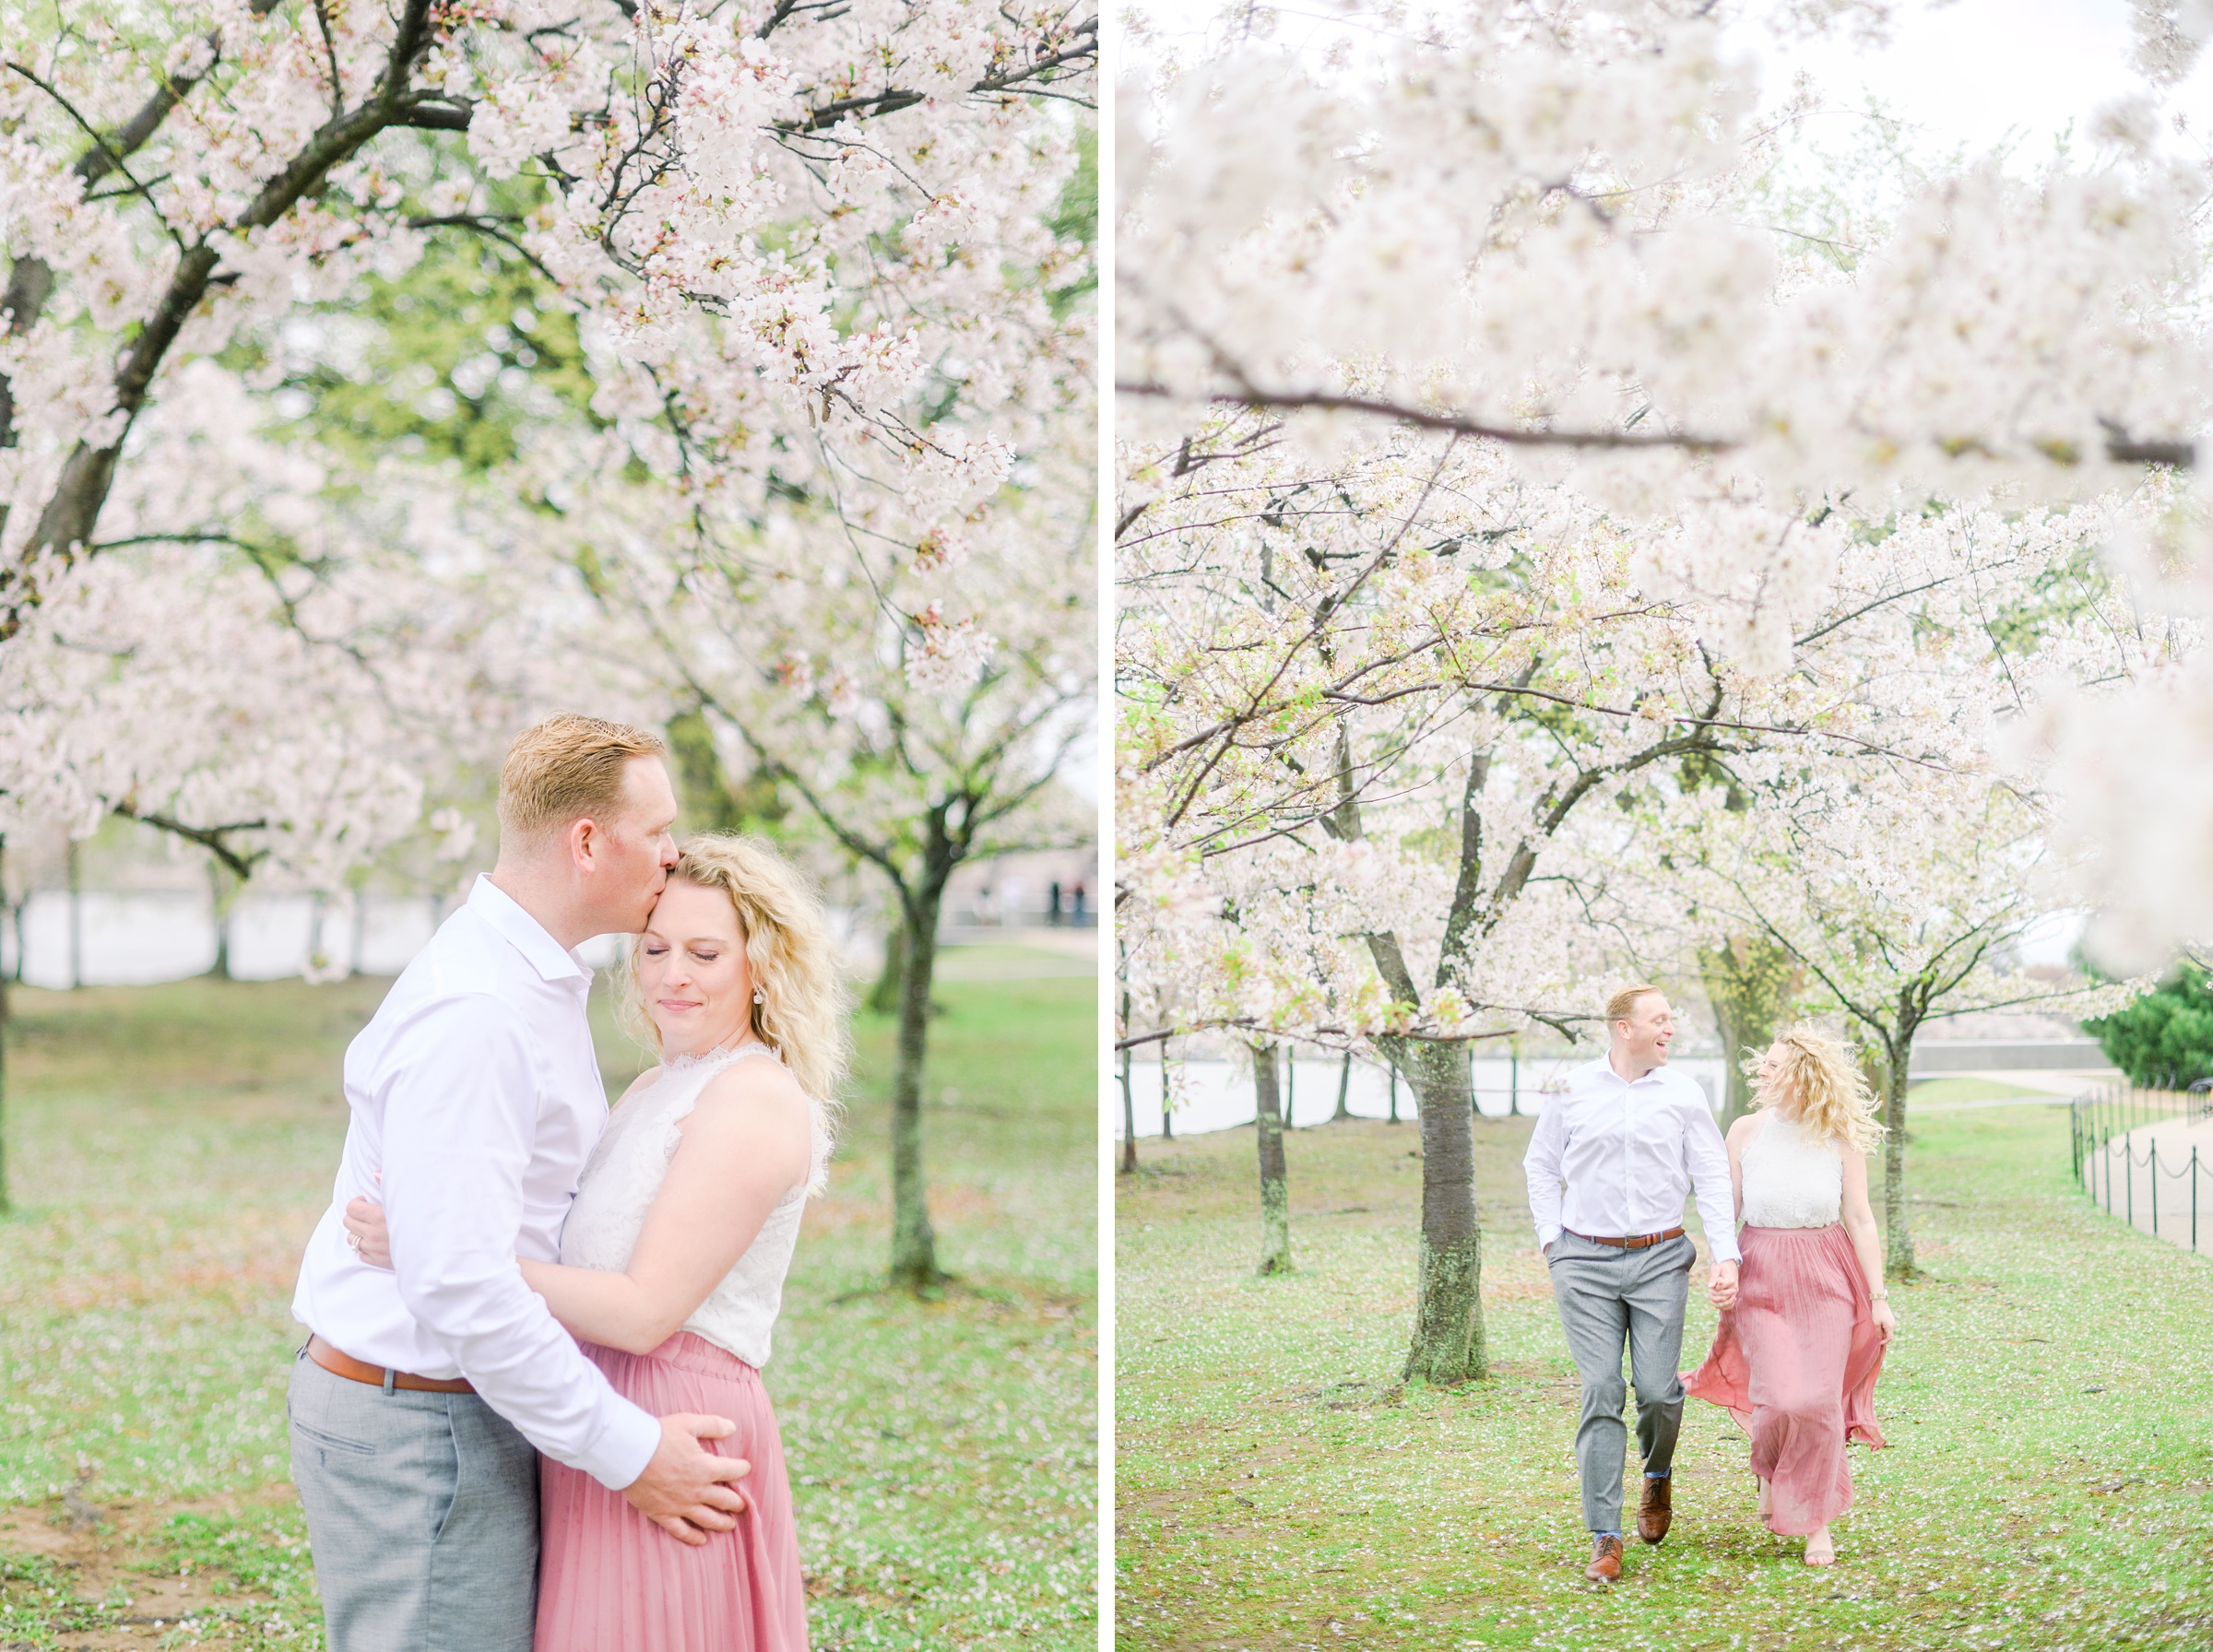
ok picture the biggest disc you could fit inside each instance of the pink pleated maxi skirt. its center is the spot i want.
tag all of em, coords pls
(1796, 1363)
(609, 1579)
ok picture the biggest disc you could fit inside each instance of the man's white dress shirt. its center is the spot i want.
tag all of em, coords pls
(1628, 1153)
(476, 1093)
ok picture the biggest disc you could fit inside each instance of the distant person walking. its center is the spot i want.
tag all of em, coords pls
(1796, 1356)
(1052, 902)
(1609, 1166)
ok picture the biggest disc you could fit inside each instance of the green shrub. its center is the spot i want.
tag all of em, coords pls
(2163, 1040)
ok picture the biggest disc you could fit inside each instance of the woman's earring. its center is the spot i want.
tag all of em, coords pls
(760, 996)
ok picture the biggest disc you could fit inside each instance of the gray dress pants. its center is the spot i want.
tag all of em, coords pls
(422, 1514)
(1609, 1296)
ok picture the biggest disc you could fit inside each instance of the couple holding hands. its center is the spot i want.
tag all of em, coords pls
(1804, 1313)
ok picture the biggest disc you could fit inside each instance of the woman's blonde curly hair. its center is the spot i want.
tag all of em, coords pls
(1835, 1102)
(803, 1012)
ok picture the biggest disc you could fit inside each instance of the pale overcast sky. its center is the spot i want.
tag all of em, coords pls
(1974, 71)
(1970, 72)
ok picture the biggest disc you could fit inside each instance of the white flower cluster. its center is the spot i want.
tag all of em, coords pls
(809, 253)
(1415, 712)
(1517, 476)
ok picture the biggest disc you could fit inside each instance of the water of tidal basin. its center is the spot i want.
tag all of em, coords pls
(1217, 1095)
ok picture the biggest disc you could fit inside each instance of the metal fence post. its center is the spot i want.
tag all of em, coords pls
(2155, 1186)
(2129, 1181)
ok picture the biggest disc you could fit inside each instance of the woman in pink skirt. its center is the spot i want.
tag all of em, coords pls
(1796, 1359)
(673, 1256)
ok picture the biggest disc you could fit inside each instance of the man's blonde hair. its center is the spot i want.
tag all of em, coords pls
(568, 768)
(1623, 1004)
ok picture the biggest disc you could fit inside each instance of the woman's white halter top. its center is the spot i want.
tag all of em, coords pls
(625, 1173)
(1791, 1180)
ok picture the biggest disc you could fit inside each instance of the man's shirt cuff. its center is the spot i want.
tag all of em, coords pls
(619, 1455)
(1545, 1236)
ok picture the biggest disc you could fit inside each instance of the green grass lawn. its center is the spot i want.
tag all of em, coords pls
(170, 1148)
(2049, 1403)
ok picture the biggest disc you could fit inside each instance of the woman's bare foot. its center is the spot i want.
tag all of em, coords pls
(1763, 1497)
(1821, 1549)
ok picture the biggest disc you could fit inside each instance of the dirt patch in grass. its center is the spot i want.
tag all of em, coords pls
(129, 1574)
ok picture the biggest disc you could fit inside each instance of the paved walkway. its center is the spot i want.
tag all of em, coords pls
(2053, 1090)
(2157, 1198)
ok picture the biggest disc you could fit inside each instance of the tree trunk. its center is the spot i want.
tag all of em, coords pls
(77, 919)
(1129, 1095)
(1898, 1237)
(1275, 1191)
(913, 1245)
(221, 910)
(1448, 1347)
(1344, 1085)
(6, 1205)
(883, 998)
(1750, 983)
(1129, 1120)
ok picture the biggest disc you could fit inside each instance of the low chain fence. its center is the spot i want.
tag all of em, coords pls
(2150, 1175)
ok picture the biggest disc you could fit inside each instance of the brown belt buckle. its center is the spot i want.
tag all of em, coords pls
(1633, 1242)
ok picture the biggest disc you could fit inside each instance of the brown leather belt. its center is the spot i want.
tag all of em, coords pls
(1642, 1241)
(340, 1363)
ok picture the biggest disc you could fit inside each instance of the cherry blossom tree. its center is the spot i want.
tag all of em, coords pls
(1529, 224)
(283, 687)
(1694, 438)
(1570, 230)
(906, 739)
(792, 283)
(1367, 708)
(1903, 897)
(705, 185)
(1410, 747)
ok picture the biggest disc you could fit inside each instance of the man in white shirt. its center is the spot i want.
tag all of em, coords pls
(1608, 1167)
(476, 1099)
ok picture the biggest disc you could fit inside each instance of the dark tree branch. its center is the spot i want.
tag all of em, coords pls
(88, 474)
(484, 223)
(2120, 448)
(209, 838)
(1081, 50)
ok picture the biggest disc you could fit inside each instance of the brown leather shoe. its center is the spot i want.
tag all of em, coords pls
(1654, 1513)
(1605, 1561)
